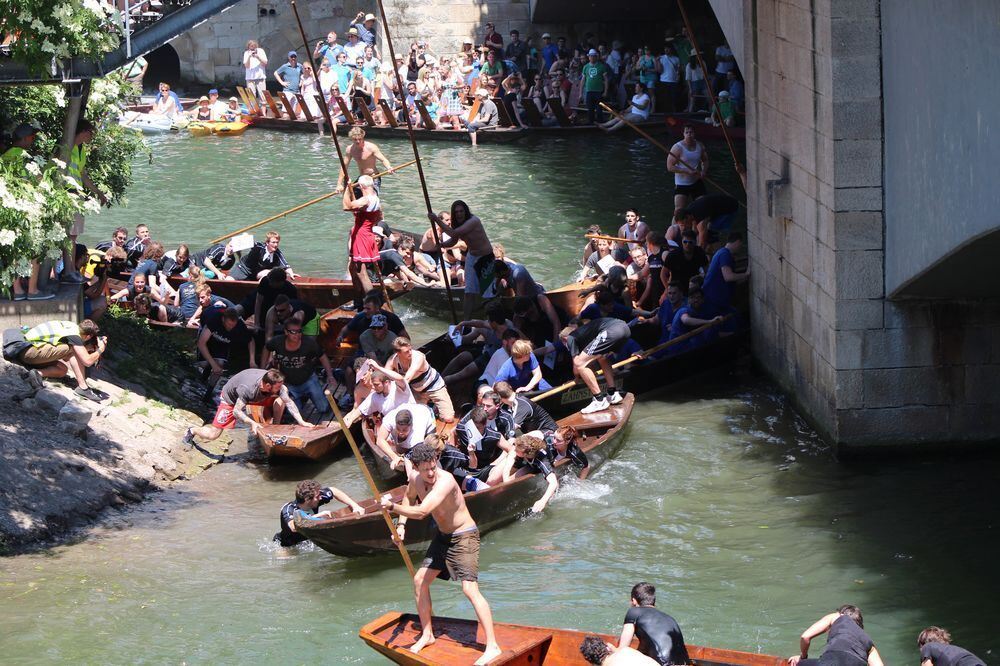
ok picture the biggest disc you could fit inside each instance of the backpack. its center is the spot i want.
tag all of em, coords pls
(14, 344)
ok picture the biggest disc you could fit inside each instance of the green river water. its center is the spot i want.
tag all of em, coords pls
(722, 496)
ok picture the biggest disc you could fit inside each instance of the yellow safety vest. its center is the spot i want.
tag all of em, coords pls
(51, 333)
(77, 162)
(95, 258)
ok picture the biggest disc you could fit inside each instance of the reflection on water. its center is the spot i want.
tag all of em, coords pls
(721, 495)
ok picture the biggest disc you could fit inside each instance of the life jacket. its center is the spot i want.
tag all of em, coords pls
(51, 332)
(77, 162)
(95, 259)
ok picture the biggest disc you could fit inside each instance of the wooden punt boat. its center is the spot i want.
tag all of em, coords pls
(461, 642)
(702, 130)
(319, 292)
(346, 534)
(294, 441)
(495, 135)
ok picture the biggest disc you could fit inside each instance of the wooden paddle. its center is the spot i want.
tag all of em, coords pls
(638, 356)
(301, 206)
(611, 238)
(370, 480)
(666, 150)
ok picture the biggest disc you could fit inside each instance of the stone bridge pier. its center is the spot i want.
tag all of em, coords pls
(874, 233)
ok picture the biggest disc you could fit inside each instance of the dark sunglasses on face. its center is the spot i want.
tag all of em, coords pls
(293, 331)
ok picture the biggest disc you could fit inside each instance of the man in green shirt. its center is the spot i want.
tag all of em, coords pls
(726, 110)
(596, 76)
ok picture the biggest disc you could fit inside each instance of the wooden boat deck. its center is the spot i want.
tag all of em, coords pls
(460, 642)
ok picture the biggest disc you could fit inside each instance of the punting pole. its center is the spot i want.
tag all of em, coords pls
(416, 155)
(638, 356)
(708, 86)
(297, 208)
(326, 111)
(665, 149)
(371, 481)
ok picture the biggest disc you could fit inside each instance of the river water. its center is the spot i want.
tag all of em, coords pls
(722, 496)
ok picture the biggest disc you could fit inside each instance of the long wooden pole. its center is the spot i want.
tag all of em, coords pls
(416, 155)
(298, 208)
(708, 85)
(371, 482)
(615, 239)
(326, 111)
(666, 150)
(638, 356)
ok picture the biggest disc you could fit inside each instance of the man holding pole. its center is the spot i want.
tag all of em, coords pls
(364, 153)
(454, 549)
(367, 210)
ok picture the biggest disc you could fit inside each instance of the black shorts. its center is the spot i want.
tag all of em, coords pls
(456, 556)
(609, 340)
(694, 191)
(481, 362)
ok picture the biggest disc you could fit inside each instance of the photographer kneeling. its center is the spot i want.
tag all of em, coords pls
(57, 348)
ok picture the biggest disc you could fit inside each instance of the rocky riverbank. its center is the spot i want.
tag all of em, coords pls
(65, 460)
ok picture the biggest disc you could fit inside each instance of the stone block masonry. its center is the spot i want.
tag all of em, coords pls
(868, 371)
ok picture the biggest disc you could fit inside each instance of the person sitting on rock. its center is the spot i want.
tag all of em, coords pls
(56, 348)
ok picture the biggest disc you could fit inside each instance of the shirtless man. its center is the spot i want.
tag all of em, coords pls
(364, 153)
(599, 653)
(454, 550)
(478, 260)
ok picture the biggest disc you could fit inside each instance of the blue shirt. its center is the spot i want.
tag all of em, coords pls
(736, 92)
(291, 74)
(618, 311)
(679, 328)
(666, 315)
(344, 74)
(330, 53)
(519, 377)
(717, 291)
(550, 54)
(370, 68)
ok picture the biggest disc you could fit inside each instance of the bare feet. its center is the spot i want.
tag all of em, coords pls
(491, 653)
(424, 640)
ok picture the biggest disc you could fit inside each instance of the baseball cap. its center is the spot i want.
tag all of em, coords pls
(293, 54)
(369, 17)
(378, 321)
(481, 93)
(379, 231)
(24, 130)
(213, 91)
(467, 41)
(592, 52)
(233, 99)
(546, 35)
(724, 93)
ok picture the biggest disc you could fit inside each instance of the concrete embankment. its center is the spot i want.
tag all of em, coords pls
(65, 460)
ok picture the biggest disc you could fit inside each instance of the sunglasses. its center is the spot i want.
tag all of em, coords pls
(293, 331)
(688, 242)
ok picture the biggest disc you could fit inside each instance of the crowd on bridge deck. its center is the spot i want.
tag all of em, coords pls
(536, 80)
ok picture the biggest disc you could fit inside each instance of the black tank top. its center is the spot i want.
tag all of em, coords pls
(846, 636)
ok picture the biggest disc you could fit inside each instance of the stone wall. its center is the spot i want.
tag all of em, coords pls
(868, 371)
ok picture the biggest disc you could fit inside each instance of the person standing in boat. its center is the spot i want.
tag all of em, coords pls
(688, 161)
(309, 496)
(363, 153)
(367, 210)
(454, 549)
(479, 259)
(847, 644)
(596, 341)
(659, 634)
(412, 366)
(254, 64)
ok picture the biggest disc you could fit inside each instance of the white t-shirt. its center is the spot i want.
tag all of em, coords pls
(219, 110)
(255, 69)
(693, 73)
(723, 66)
(378, 403)
(641, 98)
(671, 69)
(631, 272)
(499, 357)
(423, 425)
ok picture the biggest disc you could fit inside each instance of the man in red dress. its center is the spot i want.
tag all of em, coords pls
(367, 211)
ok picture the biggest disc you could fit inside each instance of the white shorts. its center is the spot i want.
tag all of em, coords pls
(471, 279)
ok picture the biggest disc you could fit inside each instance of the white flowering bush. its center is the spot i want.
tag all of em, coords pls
(59, 29)
(36, 202)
